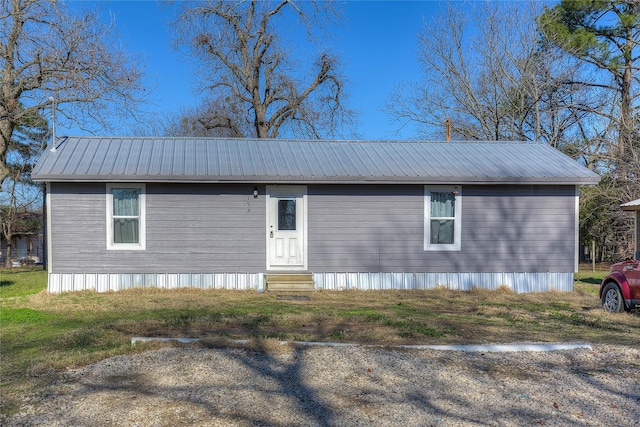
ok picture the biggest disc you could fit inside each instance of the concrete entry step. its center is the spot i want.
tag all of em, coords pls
(290, 282)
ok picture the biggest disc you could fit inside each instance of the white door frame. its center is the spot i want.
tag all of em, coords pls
(273, 193)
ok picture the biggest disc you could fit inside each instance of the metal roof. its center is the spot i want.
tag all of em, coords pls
(633, 205)
(166, 159)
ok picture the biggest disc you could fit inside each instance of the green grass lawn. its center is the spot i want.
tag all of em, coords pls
(42, 335)
(21, 282)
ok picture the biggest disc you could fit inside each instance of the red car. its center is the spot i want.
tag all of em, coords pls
(620, 290)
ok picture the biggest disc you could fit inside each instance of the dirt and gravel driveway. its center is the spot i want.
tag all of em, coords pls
(345, 386)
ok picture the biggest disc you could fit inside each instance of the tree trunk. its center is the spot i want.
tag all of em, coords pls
(7, 261)
(6, 130)
(262, 128)
(625, 137)
(627, 120)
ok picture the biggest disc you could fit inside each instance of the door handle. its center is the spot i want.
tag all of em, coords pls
(271, 234)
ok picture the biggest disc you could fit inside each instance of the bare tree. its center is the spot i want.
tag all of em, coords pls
(213, 118)
(486, 71)
(603, 222)
(242, 59)
(47, 56)
(20, 200)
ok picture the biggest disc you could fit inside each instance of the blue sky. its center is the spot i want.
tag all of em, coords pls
(377, 43)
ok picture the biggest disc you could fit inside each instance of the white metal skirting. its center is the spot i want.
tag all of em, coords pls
(109, 282)
(518, 282)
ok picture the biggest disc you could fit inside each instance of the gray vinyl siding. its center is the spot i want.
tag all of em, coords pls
(519, 228)
(221, 228)
(195, 228)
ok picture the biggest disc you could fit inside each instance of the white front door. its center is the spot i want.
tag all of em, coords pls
(286, 227)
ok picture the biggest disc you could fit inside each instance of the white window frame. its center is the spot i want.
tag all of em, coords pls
(457, 218)
(142, 238)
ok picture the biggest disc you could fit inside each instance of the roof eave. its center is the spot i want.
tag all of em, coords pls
(631, 206)
(325, 180)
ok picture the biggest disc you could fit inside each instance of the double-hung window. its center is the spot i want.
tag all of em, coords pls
(442, 218)
(126, 217)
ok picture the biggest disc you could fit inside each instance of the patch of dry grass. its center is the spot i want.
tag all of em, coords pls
(51, 333)
(373, 317)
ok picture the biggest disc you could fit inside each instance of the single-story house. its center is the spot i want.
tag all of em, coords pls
(128, 212)
(634, 206)
(26, 248)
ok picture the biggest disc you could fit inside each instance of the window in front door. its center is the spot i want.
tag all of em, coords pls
(286, 214)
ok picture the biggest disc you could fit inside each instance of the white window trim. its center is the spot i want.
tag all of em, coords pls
(457, 226)
(142, 244)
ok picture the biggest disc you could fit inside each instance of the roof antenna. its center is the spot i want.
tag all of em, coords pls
(53, 123)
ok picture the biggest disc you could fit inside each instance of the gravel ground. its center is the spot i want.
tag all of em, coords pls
(345, 386)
